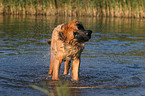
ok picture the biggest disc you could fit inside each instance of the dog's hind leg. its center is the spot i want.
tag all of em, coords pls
(66, 67)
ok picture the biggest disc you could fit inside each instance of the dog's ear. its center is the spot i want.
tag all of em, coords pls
(64, 27)
(62, 36)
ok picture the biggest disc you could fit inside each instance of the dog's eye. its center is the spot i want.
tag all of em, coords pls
(76, 34)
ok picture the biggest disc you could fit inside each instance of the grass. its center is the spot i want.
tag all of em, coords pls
(61, 89)
(96, 8)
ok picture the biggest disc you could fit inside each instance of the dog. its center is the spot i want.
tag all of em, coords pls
(67, 43)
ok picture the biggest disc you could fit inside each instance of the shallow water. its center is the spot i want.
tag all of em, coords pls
(115, 56)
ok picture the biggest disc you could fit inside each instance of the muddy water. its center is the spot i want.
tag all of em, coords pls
(115, 56)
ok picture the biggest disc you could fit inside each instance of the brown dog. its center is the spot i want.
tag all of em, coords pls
(67, 44)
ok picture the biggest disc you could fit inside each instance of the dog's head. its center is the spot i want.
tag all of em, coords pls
(74, 32)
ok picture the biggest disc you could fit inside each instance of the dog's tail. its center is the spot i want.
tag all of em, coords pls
(48, 41)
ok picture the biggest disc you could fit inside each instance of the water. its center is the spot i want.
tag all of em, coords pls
(115, 56)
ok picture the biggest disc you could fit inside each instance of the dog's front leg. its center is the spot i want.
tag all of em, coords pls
(75, 69)
(56, 67)
(66, 67)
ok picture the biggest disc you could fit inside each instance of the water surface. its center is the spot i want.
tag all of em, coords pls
(115, 55)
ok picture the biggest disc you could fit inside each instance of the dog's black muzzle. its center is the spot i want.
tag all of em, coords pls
(83, 36)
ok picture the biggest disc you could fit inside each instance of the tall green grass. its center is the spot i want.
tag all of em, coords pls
(96, 8)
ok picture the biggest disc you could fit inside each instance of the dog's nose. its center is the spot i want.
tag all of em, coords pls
(88, 32)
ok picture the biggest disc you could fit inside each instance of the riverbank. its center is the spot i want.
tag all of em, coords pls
(94, 8)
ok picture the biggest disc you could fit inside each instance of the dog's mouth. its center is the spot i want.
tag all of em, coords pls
(82, 36)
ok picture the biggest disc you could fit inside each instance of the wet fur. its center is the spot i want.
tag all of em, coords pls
(64, 47)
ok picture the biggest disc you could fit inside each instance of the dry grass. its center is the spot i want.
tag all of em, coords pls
(95, 8)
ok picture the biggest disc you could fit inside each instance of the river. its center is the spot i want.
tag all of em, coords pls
(114, 56)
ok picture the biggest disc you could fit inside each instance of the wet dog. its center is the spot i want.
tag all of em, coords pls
(67, 43)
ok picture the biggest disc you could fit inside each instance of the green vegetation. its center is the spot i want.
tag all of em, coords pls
(60, 89)
(96, 8)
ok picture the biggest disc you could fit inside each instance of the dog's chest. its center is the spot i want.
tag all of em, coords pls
(72, 52)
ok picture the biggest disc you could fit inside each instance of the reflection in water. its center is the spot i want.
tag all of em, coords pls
(114, 56)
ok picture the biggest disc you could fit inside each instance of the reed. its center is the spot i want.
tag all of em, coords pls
(96, 8)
